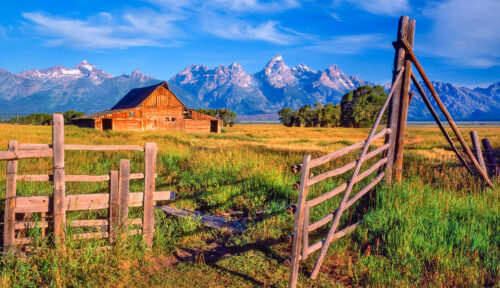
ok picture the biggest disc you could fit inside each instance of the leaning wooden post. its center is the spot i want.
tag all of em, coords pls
(10, 200)
(114, 206)
(149, 188)
(124, 187)
(392, 120)
(298, 222)
(490, 156)
(403, 108)
(477, 149)
(58, 181)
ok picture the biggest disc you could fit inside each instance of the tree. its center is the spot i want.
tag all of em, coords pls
(359, 108)
(286, 116)
(227, 116)
(71, 114)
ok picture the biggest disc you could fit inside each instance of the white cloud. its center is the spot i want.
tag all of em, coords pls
(464, 32)
(234, 29)
(353, 44)
(381, 7)
(247, 6)
(103, 31)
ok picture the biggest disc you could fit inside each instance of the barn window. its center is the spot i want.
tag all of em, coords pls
(167, 119)
(174, 119)
(131, 114)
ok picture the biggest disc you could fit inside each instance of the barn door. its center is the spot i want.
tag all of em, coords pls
(214, 126)
(107, 124)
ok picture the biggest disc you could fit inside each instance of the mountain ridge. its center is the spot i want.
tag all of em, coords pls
(88, 88)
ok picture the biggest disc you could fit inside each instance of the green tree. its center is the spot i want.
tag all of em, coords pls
(227, 116)
(71, 114)
(286, 116)
(360, 107)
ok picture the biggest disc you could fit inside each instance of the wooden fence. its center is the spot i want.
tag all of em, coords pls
(118, 200)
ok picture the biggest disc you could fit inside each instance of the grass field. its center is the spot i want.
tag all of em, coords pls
(437, 228)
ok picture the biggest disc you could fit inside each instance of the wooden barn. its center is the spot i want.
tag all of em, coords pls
(148, 109)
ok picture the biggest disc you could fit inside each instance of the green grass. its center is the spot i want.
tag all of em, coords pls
(438, 228)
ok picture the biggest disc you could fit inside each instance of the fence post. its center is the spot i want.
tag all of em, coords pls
(149, 188)
(305, 235)
(124, 187)
(403, 108)
(477, 149)
(490, 157)
(58, 181)
(114, 206)
(393, 114)
(10, 200)
(298, 222)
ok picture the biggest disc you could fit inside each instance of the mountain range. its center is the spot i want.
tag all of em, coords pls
(257, 96)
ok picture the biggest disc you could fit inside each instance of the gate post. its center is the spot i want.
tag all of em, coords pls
(59, 181)
(10, 200)
(393, 119)
(149, 188)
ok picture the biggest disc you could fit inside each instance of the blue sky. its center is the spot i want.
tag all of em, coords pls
(457, 41)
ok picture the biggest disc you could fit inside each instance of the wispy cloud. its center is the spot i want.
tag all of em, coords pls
(464, 32)
(238, 29)
(353, 44)
(103, 31)
(246, 6)
(379, 7)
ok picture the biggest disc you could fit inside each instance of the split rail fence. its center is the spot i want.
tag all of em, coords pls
(55, 206)
(390, 166)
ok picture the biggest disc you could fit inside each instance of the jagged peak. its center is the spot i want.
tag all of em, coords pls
(234, 66)
(85, 65)
(303, 68)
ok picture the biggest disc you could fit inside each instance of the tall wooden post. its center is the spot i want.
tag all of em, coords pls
(393, 119)
(403, 108)
(114, 206)
(10, 200)
(58, 181)
(477, 149)
(124, 187)
(149, 188)
(298, 223)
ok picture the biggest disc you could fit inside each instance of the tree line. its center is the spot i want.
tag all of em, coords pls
(358, 108)
(42, 118)
(227, 116)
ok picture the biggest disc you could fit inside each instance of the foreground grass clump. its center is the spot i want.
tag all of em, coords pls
(438, 228)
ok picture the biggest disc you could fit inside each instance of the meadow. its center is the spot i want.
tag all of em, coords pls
(438, 228)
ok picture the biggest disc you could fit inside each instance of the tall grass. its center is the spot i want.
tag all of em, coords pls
(438, 228)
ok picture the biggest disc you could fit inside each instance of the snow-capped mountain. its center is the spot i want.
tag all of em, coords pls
(89, 89)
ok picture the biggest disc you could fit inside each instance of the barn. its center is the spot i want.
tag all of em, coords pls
(152, 108)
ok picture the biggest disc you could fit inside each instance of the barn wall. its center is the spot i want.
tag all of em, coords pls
(127, 124)
(162, 98)
(197, 125)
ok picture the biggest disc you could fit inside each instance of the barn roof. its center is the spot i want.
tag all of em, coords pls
(99, 114)
(136, 96)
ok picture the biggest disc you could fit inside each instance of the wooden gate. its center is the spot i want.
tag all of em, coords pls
(54, 207)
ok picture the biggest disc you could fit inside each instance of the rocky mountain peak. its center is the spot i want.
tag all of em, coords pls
(278, 74)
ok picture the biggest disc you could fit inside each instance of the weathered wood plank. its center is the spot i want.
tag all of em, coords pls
(10, 200)
(103, 147)
(25, 154)
(214, 222)
(31, 204)
(124, 188)
(394, 107)
(477, 149)
(490, 156)
(403, 109)
(28, 146)
(114, 205)
(299, 222)
(316, 246)
(59, 212)
(347, 167)
(305, 233)
(76, 178)
(149, 188)
(334, 155)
